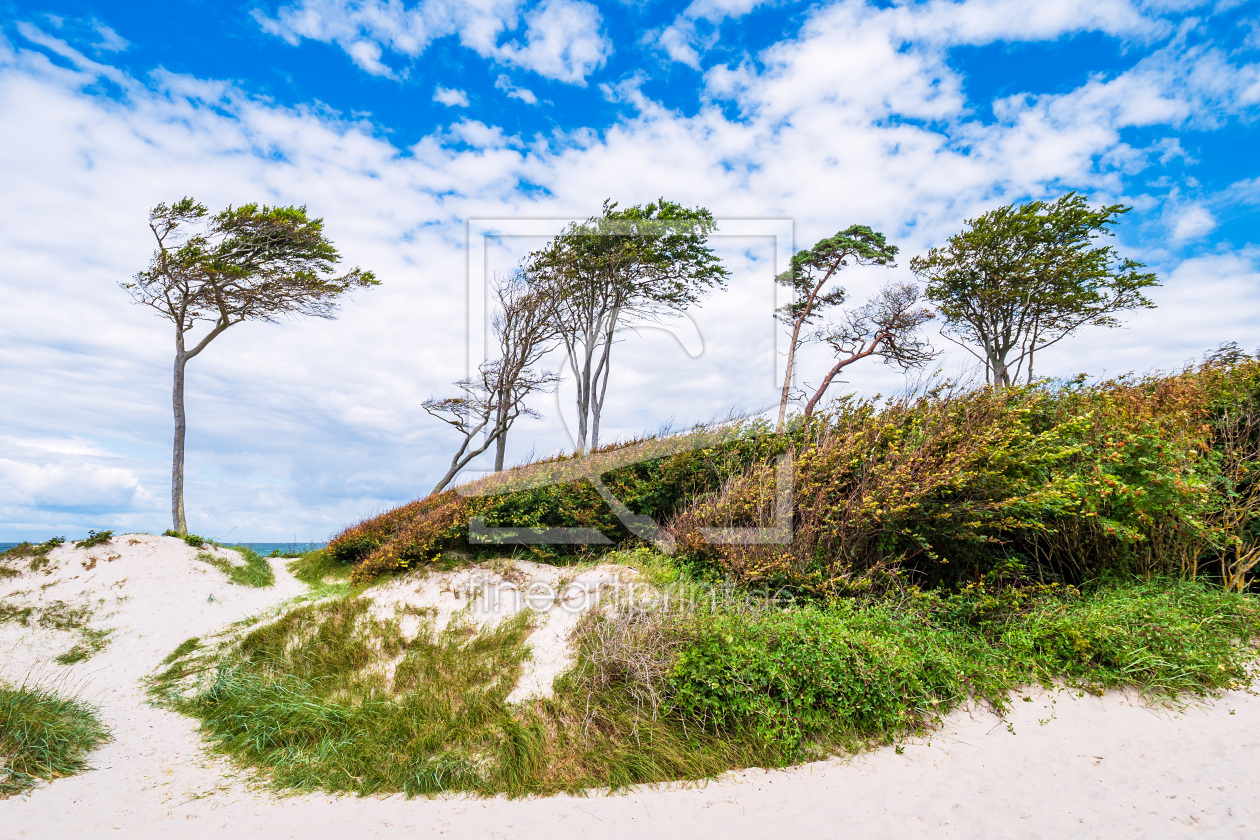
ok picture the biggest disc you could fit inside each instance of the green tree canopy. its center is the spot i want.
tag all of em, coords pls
(807, 276)
(1023, 277)
(247, 263)
(646, 261)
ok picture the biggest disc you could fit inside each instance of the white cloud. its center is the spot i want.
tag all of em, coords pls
(367, 54)
(504, 83)
(64, 476)
(1193, 221)
(108, 39)
(449, 96)
(562, 39)
(938, 22)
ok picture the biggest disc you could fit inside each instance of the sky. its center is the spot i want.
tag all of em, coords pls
(441, 140)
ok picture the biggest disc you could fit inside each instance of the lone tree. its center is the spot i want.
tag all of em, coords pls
(647, 262)
(247, 263)
(492, 401)
(1023, 277)
(886, 327)
(809, 272)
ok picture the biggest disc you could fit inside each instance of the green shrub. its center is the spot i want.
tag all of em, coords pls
(191, 539)
(844, 673)
(95, 538)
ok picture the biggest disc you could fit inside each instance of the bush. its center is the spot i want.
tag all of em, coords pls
(95, 538)
(1149, 476)
(191, 539)
(845, 674)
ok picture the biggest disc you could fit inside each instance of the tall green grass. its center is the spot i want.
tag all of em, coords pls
(43, 737)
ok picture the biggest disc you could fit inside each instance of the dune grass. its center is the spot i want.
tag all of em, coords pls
(254, 571)
(26, 557)
(43, 737)
(329, 698)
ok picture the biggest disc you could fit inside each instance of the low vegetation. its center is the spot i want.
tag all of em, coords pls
(954, 546)
(253, 571)
(328, 697)
(27, 557)
(43, 737)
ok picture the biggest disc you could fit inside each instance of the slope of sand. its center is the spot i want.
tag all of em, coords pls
(1102, 767)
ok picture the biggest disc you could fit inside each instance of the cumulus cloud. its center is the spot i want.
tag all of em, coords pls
(562, 39)
(1193, 221)
(71, 475)
(504, 83)
(450, 96)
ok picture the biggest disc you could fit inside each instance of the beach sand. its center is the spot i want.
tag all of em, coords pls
(1059, 766)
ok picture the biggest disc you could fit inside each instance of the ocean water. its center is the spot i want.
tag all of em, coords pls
(263, 548)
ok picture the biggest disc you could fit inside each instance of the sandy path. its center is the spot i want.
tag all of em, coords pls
(1103, 767)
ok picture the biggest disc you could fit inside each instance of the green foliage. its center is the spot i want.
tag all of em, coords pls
(92, 641)
(844, 674)
(95, 538)
(811, 268)
(43, 737)
(328, 697)
(1023, 277)
(191, 539)
(655, 254)
(1070, 482)
(254, 571)
(318, 567)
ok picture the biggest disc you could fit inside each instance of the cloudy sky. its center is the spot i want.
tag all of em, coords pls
(414, 128)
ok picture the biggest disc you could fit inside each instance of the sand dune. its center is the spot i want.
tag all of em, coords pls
(1065, 766)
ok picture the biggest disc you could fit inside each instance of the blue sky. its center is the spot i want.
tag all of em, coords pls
(399, 122)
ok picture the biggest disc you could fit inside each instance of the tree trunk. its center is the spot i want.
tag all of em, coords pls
(839, 366)
(179, 523)
(598, 398)
(1001, 374)
(500, 449)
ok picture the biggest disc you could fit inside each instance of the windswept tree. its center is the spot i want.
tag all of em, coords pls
(807, 276)
(886, 327)
(247, 263)
(1024, 277)
(643, 263)
(491, 402)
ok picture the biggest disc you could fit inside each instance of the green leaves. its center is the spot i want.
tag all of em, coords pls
(1023, 277)
(251, 262)
(645, 256)
(811, 268)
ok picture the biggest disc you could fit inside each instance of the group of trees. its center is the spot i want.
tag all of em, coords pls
(1016, 280)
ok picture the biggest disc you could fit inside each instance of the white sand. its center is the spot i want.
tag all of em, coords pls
(1101, 768)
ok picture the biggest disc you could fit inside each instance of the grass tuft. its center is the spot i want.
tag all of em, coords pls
(255, 571)
(95, 538)
(43, 737)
